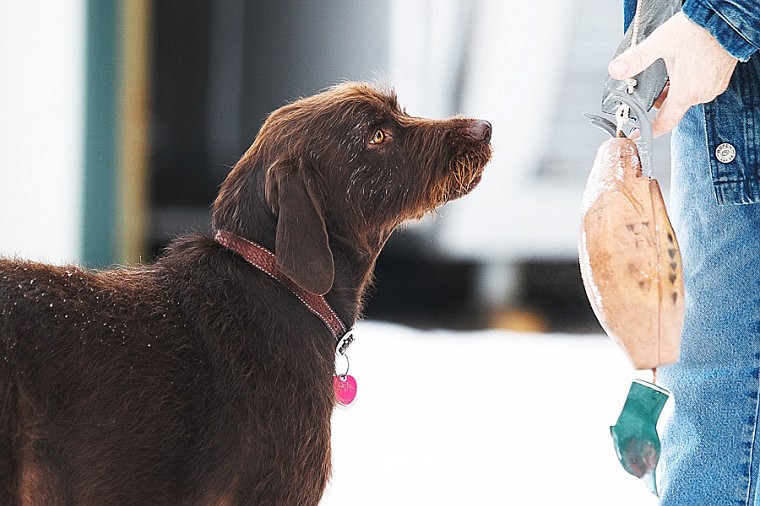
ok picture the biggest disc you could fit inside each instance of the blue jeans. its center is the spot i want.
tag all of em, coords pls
(711, 445)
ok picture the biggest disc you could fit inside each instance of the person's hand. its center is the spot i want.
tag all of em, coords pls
(698, 67)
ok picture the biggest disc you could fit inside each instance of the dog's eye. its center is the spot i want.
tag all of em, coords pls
(378, 138)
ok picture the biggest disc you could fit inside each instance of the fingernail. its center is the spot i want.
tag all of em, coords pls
(618, 68)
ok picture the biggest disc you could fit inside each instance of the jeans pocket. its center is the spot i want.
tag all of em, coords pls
(733, 137)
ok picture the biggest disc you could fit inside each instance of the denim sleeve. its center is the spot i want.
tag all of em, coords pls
(629, 10)
(734, 23)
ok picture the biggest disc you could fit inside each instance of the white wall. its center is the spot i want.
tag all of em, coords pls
(42, 61)
(531, 69)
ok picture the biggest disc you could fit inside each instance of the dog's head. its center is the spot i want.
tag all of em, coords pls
(349, 164)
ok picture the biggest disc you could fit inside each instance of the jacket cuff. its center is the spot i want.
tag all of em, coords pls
(735, 24)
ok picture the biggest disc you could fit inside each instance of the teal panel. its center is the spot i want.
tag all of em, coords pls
(99, 235)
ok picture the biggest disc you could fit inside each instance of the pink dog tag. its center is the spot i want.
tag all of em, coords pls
(345, 388)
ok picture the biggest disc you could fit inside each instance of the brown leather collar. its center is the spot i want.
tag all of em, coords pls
(264, 260)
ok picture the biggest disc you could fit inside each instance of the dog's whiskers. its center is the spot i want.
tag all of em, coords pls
(464, 175)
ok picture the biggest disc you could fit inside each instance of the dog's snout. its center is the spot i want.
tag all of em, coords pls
(480, 130)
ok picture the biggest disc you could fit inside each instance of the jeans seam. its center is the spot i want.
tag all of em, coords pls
(750, 481)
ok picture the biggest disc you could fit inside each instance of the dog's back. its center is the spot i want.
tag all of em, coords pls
(76, 347)
(143, 386)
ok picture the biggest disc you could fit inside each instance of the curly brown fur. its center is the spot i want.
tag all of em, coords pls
(198, 380)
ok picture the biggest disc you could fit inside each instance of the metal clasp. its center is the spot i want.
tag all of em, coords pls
(344, 343)
(342, 347)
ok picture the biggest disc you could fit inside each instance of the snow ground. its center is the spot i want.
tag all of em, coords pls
(481, 418)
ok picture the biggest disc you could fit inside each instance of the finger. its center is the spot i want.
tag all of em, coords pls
(670, 113)
(663, 96)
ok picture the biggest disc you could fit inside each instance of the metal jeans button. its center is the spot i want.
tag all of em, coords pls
(725, 153)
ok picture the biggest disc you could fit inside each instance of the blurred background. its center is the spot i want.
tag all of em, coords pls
(119, 120)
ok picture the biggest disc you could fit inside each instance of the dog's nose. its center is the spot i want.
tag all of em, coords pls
(480, 130)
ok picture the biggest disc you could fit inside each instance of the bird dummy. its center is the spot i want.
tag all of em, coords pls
(628, 252)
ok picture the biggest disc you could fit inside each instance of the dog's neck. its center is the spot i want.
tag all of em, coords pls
(265, 261)
(354, 257)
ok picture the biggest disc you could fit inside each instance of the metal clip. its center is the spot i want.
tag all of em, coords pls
(643, 124)
(340, 350)
(622, 117)
(629, 111)
(344, 343)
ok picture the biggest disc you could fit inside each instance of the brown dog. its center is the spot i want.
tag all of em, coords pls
(200, 380)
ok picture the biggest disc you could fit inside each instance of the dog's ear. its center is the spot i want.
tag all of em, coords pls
(301, 243)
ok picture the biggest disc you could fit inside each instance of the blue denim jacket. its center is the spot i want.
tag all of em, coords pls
(733, 118)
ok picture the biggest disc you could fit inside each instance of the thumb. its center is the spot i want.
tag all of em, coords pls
(637, 58)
